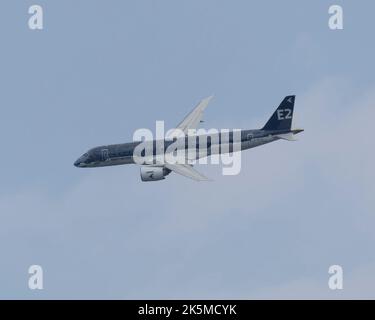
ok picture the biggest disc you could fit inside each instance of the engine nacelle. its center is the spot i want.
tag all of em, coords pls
(149, 173)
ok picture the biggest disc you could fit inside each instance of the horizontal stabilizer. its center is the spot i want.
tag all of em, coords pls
(286, 136)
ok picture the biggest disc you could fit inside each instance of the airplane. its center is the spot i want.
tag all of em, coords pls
(279, 126)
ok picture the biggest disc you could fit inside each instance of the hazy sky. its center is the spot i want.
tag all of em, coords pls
(101, 69)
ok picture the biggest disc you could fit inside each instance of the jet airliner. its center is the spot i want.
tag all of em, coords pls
(279, 126)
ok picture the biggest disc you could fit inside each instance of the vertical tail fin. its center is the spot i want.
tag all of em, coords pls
(283, 115)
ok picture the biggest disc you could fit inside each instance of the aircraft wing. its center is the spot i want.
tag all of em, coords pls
(186, 171)
(192, 120)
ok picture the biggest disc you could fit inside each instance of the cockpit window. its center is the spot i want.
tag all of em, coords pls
(84, 157)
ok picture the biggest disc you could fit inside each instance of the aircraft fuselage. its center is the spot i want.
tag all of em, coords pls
(119, 154)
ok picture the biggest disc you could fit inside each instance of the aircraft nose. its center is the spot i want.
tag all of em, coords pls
(82, 161)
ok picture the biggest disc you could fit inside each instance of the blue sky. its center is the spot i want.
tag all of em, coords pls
(101, 69)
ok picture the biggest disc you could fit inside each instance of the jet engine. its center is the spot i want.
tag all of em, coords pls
(149, 173)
